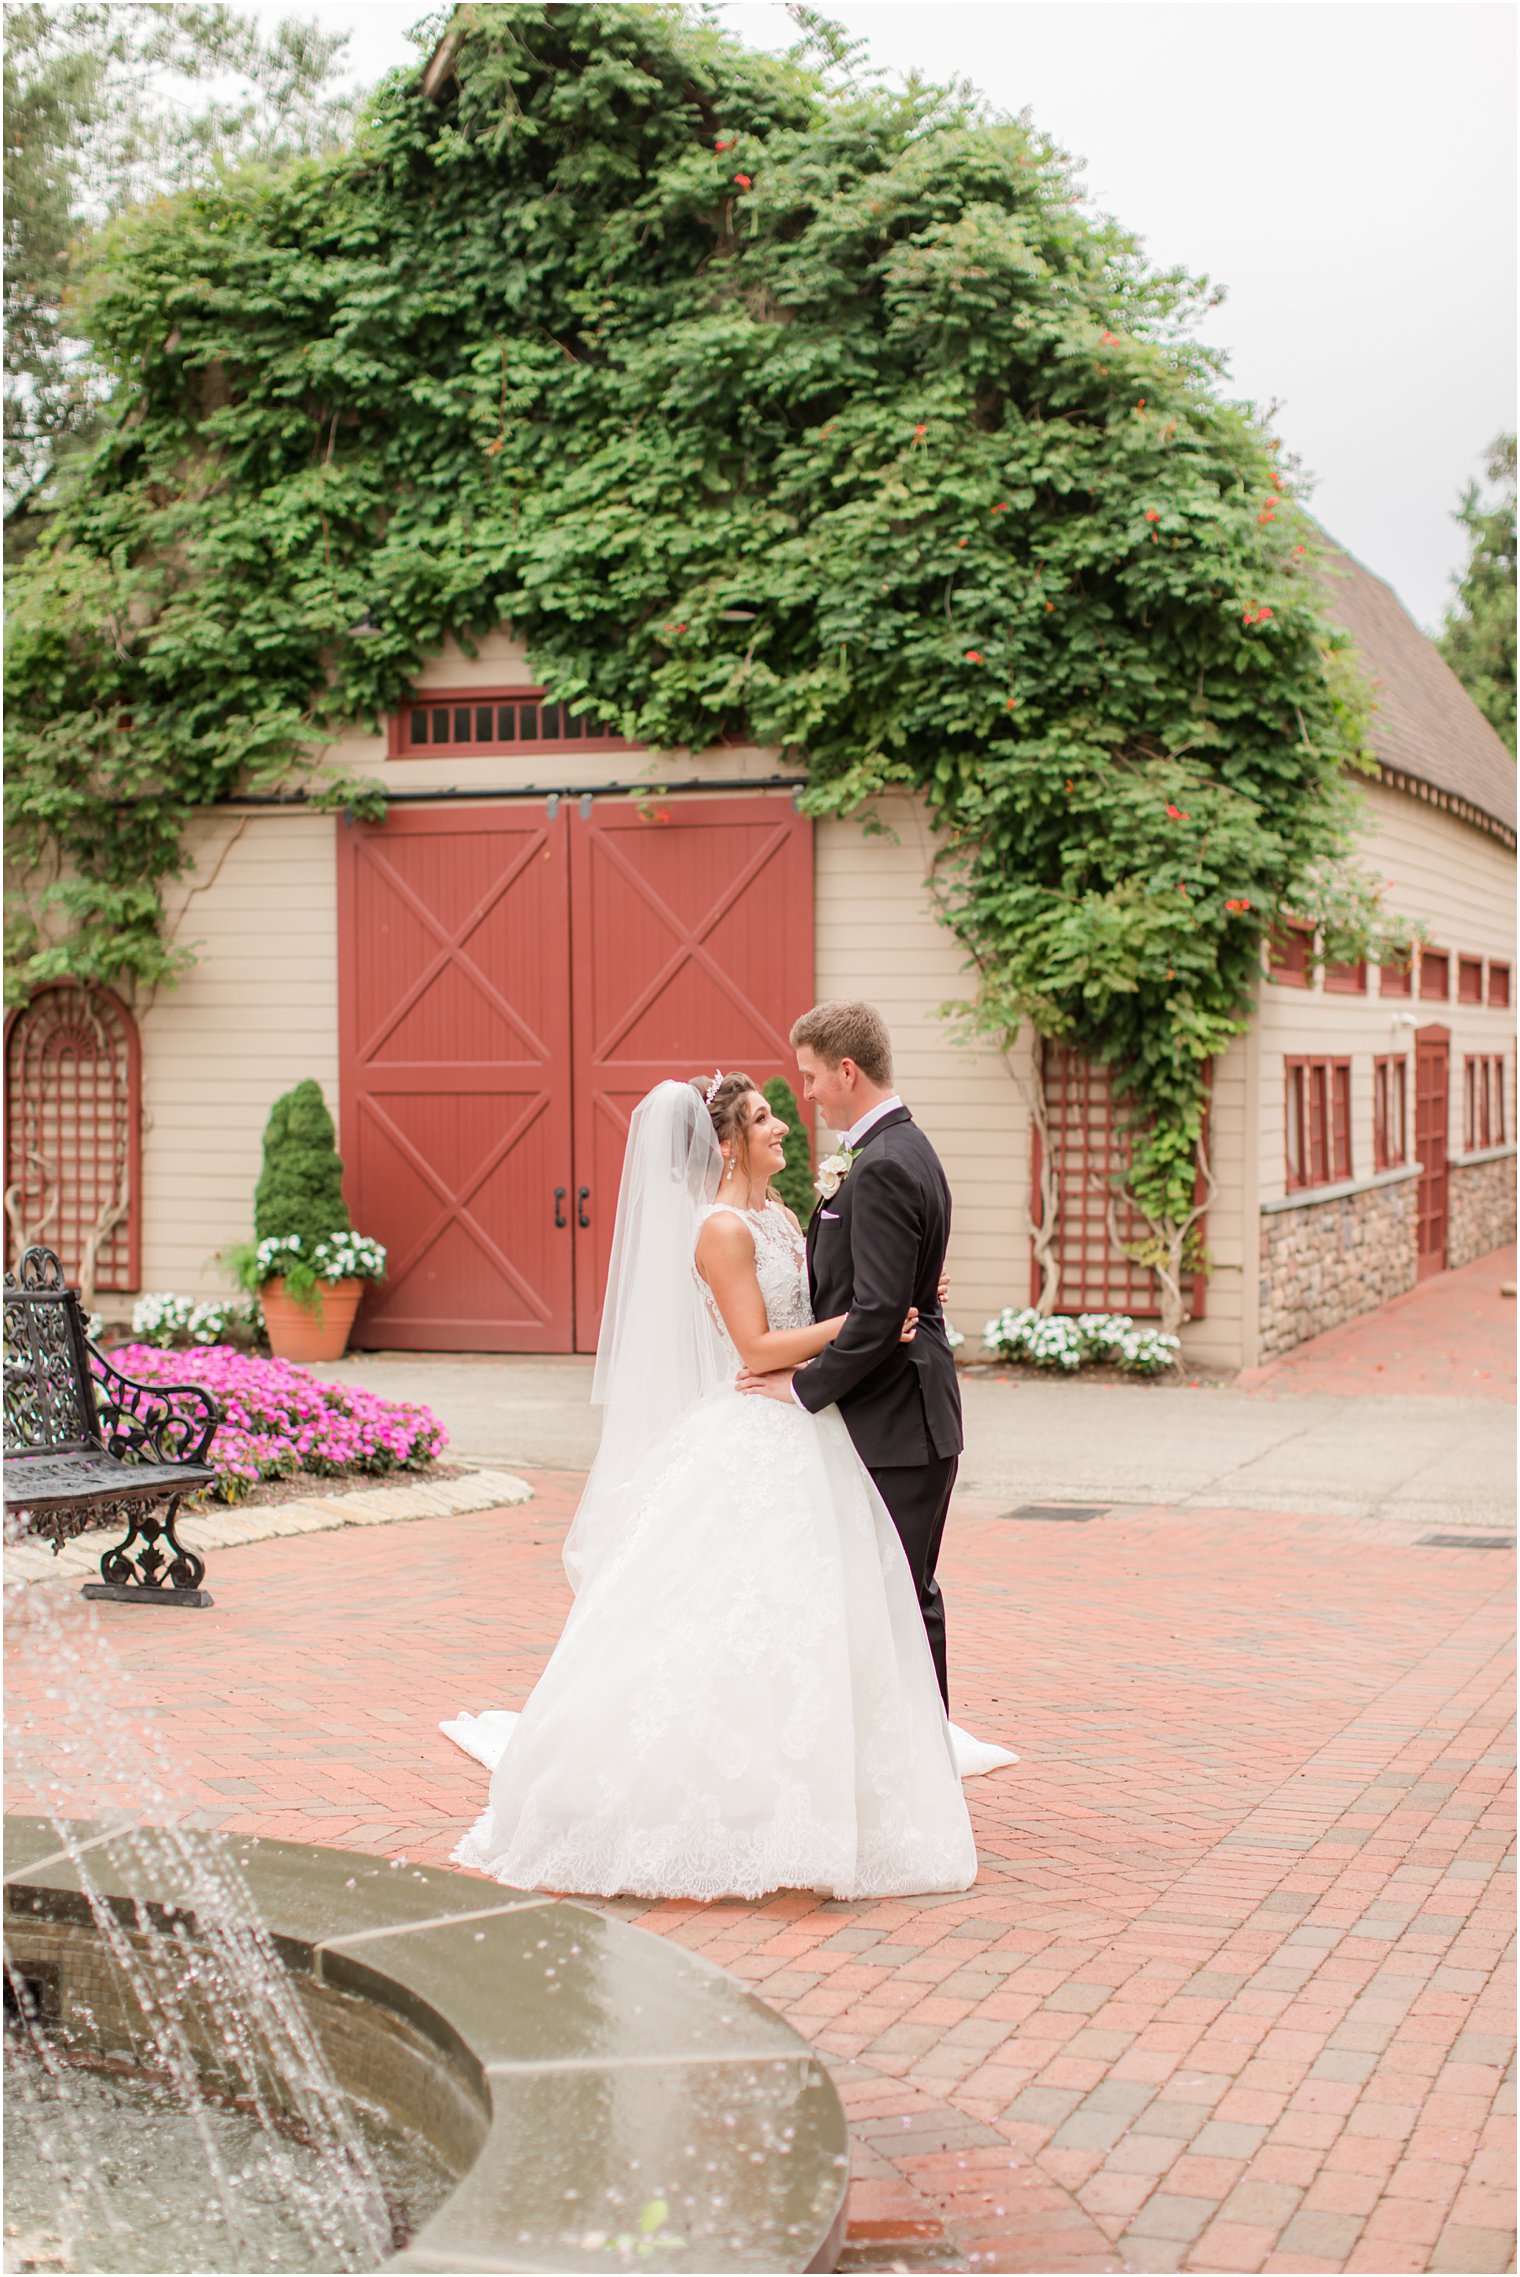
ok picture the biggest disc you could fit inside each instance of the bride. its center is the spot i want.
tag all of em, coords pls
(742, 1698)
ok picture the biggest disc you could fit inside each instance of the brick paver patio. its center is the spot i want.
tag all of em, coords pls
(1228, 1994)
(1451, 1337)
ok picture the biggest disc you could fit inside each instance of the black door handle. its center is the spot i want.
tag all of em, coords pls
(581, 1199)
(560, 1218)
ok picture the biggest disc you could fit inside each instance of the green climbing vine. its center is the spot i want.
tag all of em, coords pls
(822, 415)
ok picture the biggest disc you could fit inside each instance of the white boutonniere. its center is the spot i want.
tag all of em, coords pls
(832, 1172)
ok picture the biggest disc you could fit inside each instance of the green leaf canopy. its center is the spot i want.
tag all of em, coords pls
(823, 417)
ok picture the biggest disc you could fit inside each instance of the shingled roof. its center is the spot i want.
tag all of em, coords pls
(1429, 736)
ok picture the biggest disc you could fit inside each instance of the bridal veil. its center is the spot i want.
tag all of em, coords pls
(659, 1350)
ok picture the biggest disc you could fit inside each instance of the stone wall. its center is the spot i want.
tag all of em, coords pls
(1481, 1206)
(1323, 1262)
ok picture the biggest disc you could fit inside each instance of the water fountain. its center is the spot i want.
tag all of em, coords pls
(241, 2054)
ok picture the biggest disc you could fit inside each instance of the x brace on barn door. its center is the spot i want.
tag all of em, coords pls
(511, 983)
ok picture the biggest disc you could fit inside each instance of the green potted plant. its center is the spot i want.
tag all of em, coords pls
(306, 1263)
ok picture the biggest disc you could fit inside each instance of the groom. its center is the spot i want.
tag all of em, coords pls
(876, 1245)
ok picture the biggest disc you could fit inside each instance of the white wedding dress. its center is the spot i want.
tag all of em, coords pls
(742, 1699)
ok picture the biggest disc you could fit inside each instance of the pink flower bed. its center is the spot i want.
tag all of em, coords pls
(278, 1420)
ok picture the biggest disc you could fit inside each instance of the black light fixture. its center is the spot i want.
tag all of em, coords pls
(366, 628)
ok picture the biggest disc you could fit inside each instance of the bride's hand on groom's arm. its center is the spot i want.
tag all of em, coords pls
(776, 1384)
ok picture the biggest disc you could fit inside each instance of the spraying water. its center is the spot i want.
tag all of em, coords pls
(206, 2046)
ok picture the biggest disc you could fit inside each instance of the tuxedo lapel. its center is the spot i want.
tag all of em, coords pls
(840, 1198)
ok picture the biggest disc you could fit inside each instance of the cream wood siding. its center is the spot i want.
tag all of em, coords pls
(1225, 1337)
(878, 937)
(1461, 883)
(256, 1013)
(259, 1011)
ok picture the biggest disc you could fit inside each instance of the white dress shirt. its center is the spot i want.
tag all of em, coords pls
(869, 1121)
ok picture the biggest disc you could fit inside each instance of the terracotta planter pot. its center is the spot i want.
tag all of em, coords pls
(314, 1331)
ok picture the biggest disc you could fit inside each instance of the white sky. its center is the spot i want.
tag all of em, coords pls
(1345, 168)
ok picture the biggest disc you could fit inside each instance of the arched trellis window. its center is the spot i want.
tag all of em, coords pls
(73, 1134)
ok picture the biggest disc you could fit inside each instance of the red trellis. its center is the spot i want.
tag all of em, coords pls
(1090, 1153)
(72, 1132)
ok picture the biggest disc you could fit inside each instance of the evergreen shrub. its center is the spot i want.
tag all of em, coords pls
(300, 1190)
(795, 1185)
(303, 1234)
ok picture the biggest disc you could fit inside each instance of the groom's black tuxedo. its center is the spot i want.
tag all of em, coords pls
(876, 1247)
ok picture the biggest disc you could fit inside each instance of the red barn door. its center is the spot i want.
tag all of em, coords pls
(454, 1029)
(692, 925)
(509, 988)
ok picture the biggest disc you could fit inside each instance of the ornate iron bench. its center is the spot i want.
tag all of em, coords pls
(86, 1446)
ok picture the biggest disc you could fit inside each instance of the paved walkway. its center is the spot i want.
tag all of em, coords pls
(1229, 1991)
(1444, 1461)
(1452, 1337)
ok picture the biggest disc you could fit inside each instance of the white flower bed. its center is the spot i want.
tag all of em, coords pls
(1056, 1340)
(341, 1257)
(166, 1320)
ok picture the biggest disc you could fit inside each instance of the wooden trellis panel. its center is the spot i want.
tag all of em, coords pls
(1090, 1152)
(73, 1133)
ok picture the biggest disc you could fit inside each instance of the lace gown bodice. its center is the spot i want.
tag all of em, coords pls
(780, 1269)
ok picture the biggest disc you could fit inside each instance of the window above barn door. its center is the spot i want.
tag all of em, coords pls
(481, 723)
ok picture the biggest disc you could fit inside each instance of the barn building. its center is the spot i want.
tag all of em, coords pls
(545, 924)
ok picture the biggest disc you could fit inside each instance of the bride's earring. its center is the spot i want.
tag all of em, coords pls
(728, 1173)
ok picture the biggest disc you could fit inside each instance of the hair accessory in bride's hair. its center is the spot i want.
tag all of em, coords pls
(711, 1092)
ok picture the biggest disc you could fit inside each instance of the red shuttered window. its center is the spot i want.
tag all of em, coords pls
(1290, 954)
(1483, 1116)
(1435, 974)
(1498, 983)
(1469, 980)
(1390, 1144)
(1395, 978)
(1318, 1132)
(1347, 980)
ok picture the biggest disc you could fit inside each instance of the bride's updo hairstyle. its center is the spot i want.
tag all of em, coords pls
(726, 1106)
